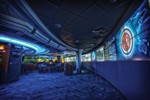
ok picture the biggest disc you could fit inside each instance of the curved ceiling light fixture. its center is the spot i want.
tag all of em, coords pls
(37, 48)
(28, 51)
(32, 14)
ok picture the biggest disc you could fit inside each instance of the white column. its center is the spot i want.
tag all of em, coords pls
(78, 61)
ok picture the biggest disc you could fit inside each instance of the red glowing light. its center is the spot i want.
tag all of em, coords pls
(126, 41)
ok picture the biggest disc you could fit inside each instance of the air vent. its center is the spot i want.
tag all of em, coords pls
(90, 44)
(57, 25)
(77, 42)
(100, 31)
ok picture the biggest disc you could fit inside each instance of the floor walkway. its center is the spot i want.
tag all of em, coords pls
(57, 86)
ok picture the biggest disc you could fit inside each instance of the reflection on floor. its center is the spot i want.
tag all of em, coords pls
(57, 86)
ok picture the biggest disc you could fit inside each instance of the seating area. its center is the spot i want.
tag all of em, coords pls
(28, 67)
(68, 69)
(44, 67)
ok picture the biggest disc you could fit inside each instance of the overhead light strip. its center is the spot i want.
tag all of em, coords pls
(35, 47)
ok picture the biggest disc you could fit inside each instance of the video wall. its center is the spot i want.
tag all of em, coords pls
(93, 56)
(133, 39)
(70, 59)
(86, 57)
(110, 50)
(132, 42)
(100, 54)
(38, 59)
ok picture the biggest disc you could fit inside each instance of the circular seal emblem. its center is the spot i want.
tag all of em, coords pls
(126, 41)
(93, 56)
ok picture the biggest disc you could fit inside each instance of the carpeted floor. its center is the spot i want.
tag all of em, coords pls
(57, 86)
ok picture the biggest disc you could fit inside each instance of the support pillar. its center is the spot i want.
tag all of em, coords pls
(78, 61)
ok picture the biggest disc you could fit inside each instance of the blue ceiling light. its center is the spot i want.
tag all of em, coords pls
(35, 47)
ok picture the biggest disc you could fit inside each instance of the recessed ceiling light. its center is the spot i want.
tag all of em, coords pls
(58, 25)
(99, 31)
(77, 41)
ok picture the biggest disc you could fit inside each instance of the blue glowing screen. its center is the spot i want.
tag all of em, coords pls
(110, 50)
(133, 39)
(93, 55)
(37, 48)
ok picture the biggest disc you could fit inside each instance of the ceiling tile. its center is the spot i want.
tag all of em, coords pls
(93, 12)
(88, 28)
(79, 22)
(76, 19)
(105, 21)
(63, 17)
(108, 5)
(76, 6)
(46, 20)
(45, 8)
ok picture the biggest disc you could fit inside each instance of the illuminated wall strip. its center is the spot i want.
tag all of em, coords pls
(35, 47)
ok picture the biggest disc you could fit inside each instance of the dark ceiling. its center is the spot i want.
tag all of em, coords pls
(80, 23)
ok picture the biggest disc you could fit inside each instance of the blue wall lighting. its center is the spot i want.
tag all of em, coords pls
(133, 39)
(37, 48)
(93, 56)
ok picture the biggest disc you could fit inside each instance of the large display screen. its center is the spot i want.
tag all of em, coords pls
(82, 58)
(106, 51)
(132, 42)
(112, 53)
(100, 54)
(133, 39)
(93, 55)
(70, 59)
(110, 50)
(86, 57)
